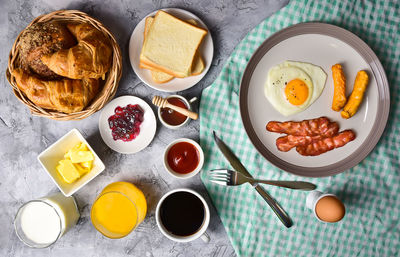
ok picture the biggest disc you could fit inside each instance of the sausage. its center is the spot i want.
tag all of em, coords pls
(326, 144)
(356, 97)
(339, 91)
(313, 127)
(286, 143)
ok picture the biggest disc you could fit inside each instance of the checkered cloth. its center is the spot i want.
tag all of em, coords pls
(370, 191)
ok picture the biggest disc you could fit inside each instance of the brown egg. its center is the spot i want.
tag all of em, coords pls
(330, 209)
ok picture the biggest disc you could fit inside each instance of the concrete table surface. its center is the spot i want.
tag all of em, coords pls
(24, 136)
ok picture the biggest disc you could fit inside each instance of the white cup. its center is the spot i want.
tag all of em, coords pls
(312, 200)
(183, 239)
(190, 174)
(188, 105)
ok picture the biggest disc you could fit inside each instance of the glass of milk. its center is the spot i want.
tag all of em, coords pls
(40, 223)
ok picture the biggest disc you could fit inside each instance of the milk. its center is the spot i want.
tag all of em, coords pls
(39, 223)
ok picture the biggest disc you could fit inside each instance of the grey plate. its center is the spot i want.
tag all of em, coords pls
(353, 154)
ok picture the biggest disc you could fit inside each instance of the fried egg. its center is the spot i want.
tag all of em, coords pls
(291, 87)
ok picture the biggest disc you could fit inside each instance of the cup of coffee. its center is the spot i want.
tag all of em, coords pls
(183, 215)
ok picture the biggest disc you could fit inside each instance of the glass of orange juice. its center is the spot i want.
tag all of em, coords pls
(118, 210)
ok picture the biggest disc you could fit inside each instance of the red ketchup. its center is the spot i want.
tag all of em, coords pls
(183, 157)
(172, 117)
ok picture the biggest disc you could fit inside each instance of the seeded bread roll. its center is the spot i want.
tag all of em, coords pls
(42, 39)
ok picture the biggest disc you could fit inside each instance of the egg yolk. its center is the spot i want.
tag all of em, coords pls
(296, 92)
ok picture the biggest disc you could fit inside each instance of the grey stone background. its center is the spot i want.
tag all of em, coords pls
(24, 136)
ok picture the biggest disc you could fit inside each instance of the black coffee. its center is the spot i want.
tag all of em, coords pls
(182, 213)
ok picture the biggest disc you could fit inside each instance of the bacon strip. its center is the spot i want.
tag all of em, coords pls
(327, 144)
(313, 127)
(286, 143)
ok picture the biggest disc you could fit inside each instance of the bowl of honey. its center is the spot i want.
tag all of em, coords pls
(183, 158)
(173, 119)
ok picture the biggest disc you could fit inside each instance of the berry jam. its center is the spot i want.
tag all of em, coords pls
(125, 123)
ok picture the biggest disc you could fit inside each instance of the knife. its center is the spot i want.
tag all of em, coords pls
(238, 166)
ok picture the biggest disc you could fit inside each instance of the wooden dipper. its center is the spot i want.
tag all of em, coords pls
(163, 103)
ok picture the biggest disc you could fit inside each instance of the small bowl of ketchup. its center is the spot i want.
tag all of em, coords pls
(172, 119)
(183, 158)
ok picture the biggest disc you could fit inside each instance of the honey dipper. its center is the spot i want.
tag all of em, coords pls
(163, 103)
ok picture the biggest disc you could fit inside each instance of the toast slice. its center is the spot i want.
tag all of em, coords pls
(170, 45)
(198, 65)
(158, 76)
(162, 77)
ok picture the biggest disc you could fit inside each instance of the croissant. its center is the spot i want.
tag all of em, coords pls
(65, 95)
(90, 58)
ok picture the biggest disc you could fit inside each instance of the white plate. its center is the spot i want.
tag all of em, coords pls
(147, 128)
(176, 84)
(323, 45)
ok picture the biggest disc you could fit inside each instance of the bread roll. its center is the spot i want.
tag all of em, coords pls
(41, 39)
(66, 95)
(90, 58)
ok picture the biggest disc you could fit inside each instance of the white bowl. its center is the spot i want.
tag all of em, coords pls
(147, 128)
(188, 175)
(49, 159)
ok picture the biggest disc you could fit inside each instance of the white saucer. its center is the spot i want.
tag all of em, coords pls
(176, 84)
(147, 128)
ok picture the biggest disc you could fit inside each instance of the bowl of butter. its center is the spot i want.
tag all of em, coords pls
(71, 162)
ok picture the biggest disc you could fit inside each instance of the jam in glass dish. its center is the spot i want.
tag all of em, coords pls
(125, 123)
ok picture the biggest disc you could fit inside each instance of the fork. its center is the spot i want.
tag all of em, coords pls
(233, 178)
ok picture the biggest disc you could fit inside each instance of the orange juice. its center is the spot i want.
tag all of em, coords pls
(117, 211)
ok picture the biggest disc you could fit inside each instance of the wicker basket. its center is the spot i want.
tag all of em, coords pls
(111, 79)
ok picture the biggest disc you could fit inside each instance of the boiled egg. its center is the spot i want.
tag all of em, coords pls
(291, 87)
(330, 209)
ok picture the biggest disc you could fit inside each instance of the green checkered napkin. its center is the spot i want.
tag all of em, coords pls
(370, 191)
